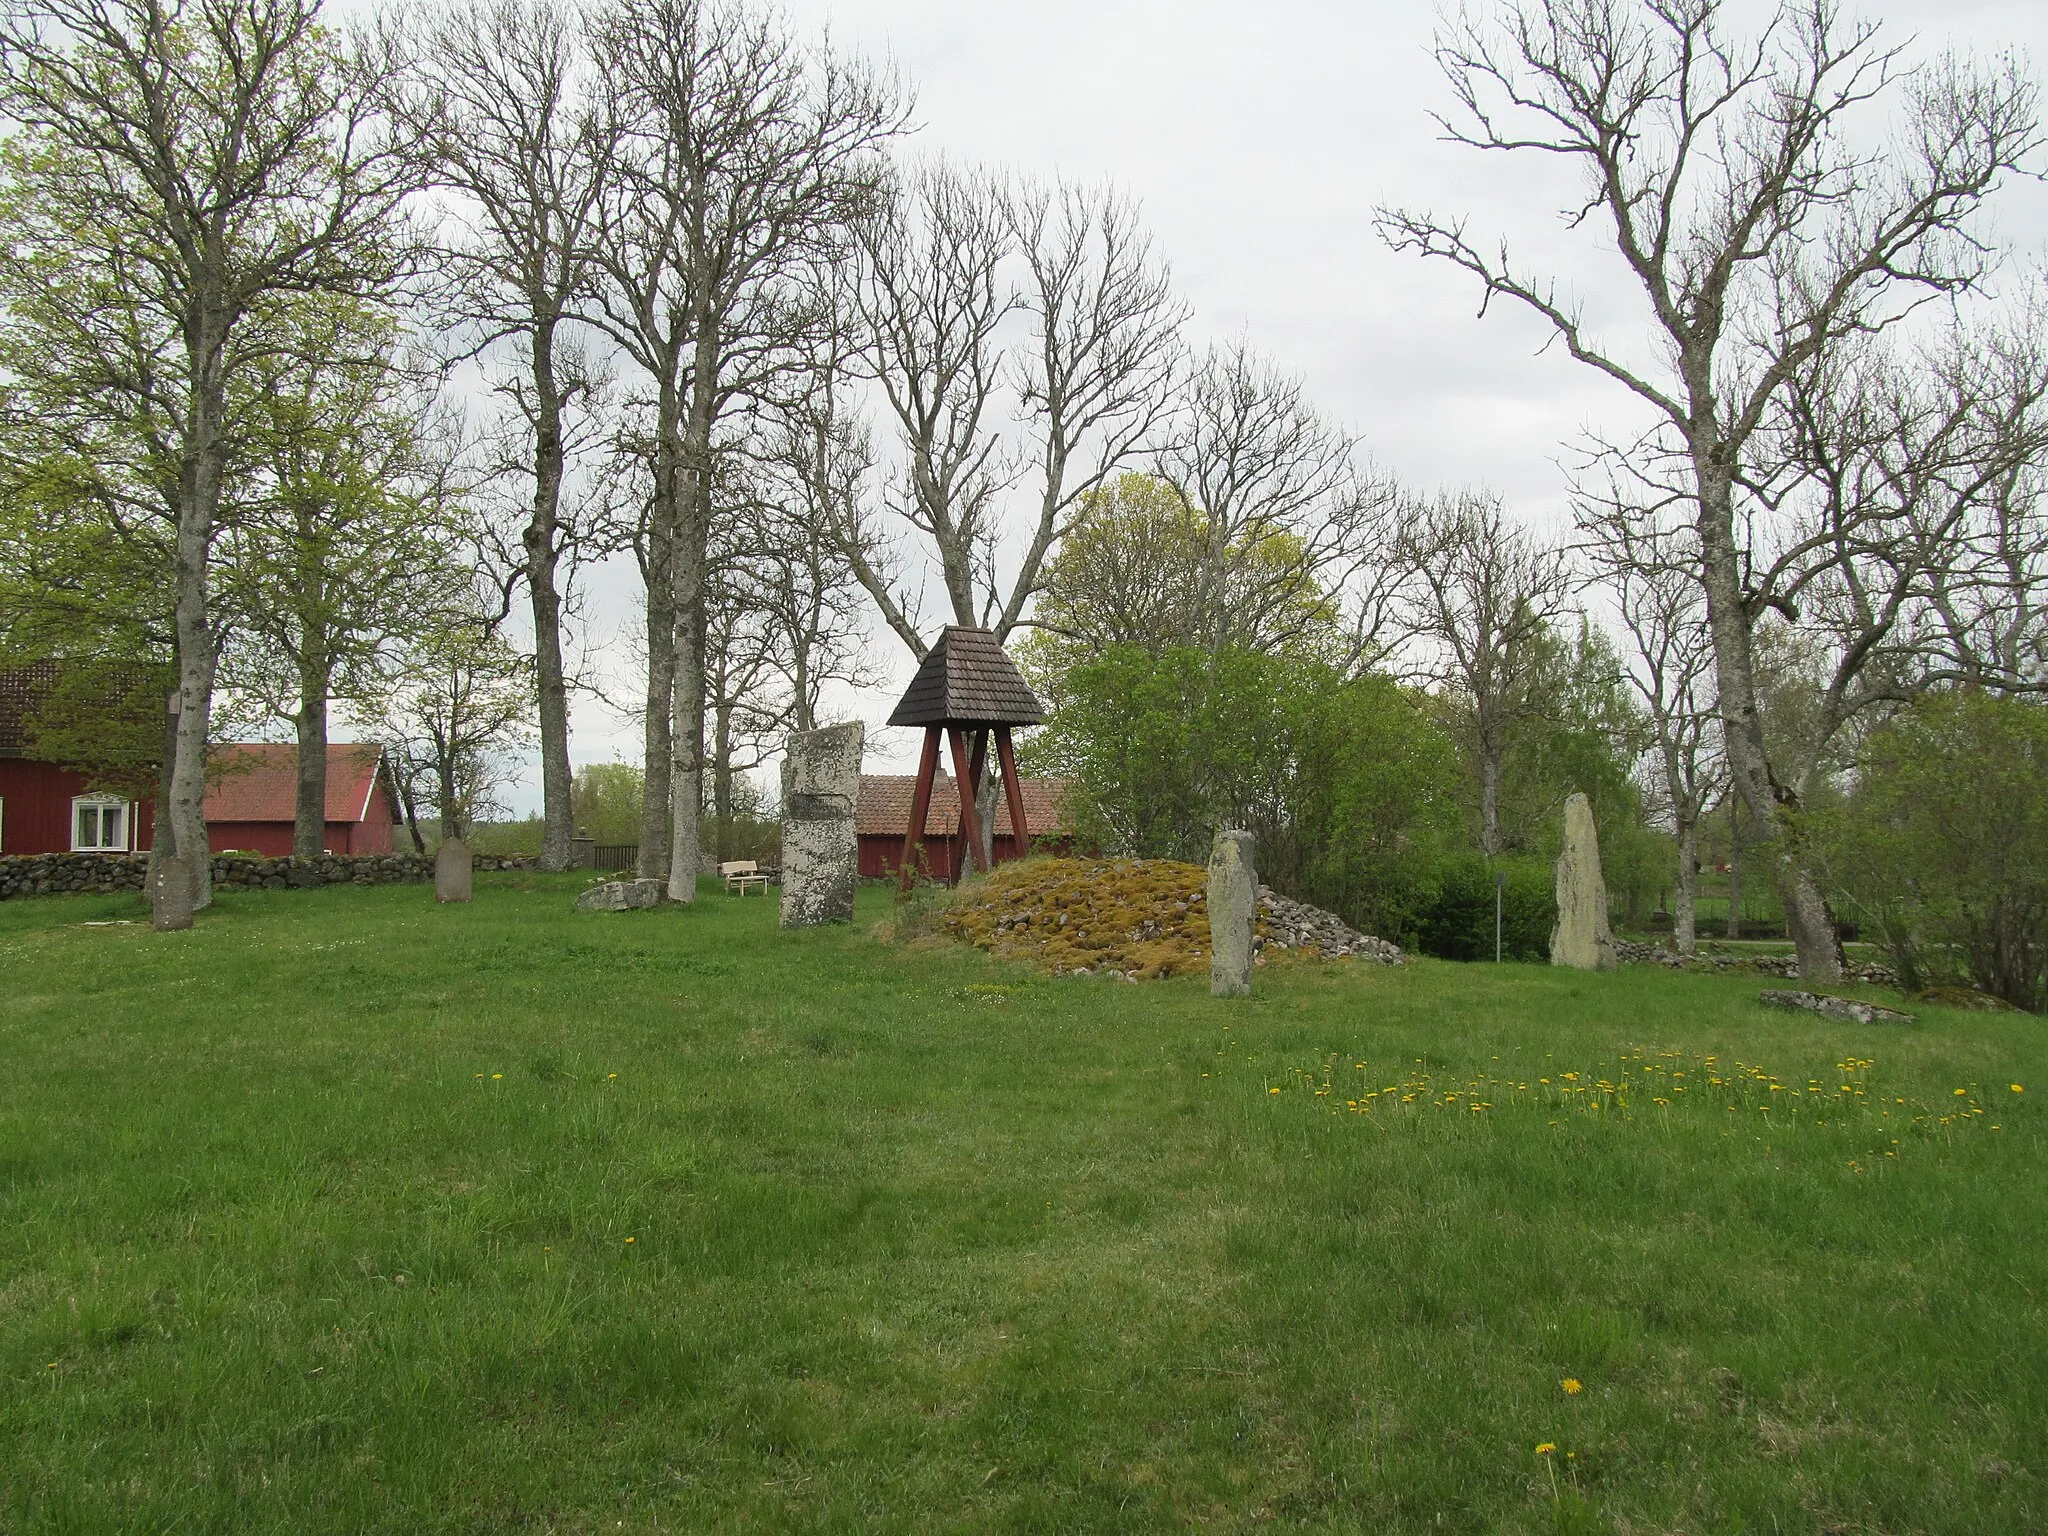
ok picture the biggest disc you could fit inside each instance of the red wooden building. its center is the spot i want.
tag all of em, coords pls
(250, 796)
(45, 808)
(253, 790)
(881, 817)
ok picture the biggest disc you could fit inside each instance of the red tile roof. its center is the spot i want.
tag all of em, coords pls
(884, 806)
(21, 690)
(258, 781)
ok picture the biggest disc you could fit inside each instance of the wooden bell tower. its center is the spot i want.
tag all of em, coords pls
(968, 690)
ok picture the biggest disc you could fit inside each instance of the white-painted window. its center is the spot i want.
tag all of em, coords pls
(99, 825)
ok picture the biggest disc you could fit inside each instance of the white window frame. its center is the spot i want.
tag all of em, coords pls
(103, 804)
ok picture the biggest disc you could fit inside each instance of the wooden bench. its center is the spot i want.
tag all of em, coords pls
(742, 875)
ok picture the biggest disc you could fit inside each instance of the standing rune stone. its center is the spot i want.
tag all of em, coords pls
(171, 899)
(820, 855)
(1233, 908)
(452, 871)
(1581, 938)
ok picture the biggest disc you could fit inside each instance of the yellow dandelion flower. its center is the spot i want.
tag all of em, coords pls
(496, 1075)
(629, 1239)
(1572, 1386)
(1960, 1092)
(1546, 1448)
(2016, 1088)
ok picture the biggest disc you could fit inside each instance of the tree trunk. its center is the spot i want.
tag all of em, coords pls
(1684, 919)
(542, 558)
(1489, 799)
(686, 845)
(722, 780)
(985, 806)
(161, 841)
(1772, 804)
(309, 816)
(1734, 869)
(652, 861)
(693, 539)
(444, 786)
(408, 806)
(198, 500)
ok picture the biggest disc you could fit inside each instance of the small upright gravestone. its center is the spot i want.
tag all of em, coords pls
(1233, 908)
(820, 854)
(170, 898)
(1581, 938)
(453, 871)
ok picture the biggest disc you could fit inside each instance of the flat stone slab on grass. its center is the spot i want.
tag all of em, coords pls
(1832, 1007)
(620, 896)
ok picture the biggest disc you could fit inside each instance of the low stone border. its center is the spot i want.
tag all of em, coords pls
(1785, 966)
(1853, 1009)
(59, 874)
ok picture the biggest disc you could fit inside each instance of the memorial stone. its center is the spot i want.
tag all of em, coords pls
(171, 896)
(820, 854)
(453, 871)
(1233, 909)
(1581, 939)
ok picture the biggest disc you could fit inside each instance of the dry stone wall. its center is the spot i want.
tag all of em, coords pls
(54, 874)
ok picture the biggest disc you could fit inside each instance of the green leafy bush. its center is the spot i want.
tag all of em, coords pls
(1943, 846)
(1349, 789)
(1458, 924)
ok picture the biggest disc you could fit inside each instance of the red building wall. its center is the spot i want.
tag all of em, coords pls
(35, 817)
(35, 807)
(881, 855)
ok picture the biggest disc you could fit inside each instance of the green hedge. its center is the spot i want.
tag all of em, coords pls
(1458, 924)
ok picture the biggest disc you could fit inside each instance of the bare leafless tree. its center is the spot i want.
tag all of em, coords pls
(927, 318)
(499, 94)
(746, 156)
(1908, 529)
(1732, 179)
(1095, 379)
(1048, 408)
(216, 156)
(1479, 595)
(1650, 569)
(812, 485)
(1299, 535)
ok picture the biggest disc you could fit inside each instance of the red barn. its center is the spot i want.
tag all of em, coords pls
(45, 808)
(250, 796)
(252, 793)
(882, 816)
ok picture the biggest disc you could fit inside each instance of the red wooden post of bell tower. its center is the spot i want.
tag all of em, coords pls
(968, 691)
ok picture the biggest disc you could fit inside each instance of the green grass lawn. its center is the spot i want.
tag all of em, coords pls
(346, 1213)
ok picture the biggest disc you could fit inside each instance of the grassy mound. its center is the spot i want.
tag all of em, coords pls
(1142, 918)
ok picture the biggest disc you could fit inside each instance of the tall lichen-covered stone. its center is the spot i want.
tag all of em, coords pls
(1233, 909)
(171, 895)
(453, 870)
(820, 854)
(1581, 938)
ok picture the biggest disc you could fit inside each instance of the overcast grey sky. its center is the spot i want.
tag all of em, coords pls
(1259, 140)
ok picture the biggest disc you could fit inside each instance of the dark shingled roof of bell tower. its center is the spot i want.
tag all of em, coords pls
(967, 679)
